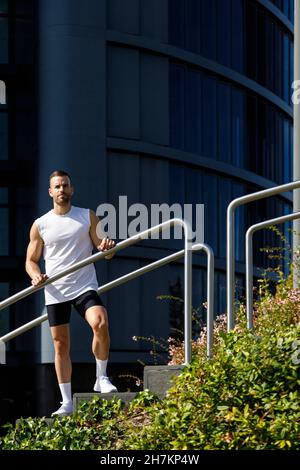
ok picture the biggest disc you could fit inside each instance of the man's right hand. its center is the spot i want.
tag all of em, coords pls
(39, 279)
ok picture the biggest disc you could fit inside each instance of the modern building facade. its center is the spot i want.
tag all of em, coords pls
(161, 101)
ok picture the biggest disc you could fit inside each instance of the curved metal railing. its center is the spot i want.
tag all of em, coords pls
(128, 242)
(137, 273)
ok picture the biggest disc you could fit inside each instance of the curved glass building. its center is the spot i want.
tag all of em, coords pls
(161, 101)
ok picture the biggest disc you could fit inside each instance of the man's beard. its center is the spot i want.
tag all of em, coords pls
(62, 201)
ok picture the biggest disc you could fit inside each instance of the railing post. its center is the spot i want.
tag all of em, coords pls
(230, 261)
(249, 258)
(187, 293)
(210, 300)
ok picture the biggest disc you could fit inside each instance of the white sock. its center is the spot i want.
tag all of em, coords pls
(66, 393)
(101, 367)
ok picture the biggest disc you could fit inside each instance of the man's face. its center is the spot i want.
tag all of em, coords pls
(61, 190)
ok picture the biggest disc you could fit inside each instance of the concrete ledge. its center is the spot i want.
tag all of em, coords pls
(125, 397)
(158, 379)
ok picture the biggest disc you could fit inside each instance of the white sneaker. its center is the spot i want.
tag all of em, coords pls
(104, 385)
(65, 409)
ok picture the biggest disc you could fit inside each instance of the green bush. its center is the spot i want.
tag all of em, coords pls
(246, 397)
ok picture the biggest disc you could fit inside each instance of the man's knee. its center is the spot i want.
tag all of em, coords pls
(61, 345)
(98, 320)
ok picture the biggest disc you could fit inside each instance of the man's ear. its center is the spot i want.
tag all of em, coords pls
(50, 192)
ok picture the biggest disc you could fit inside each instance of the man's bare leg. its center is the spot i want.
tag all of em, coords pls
(96, 317)
(61, 341)
(63, 366)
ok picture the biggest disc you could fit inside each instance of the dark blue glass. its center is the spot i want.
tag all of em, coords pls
(224, 122)
(3, 195)
(3, 231)
(177, 100)
(3, 40)
(251, 40)
(177, 23)
(3, 136)
(286, 151)
(209, 117)
(192, 25)
(208, 28)
(193, 115)
(238, 35)
(238, 116)
(223, 31)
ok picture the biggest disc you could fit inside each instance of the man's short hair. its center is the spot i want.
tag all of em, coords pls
(59, 173)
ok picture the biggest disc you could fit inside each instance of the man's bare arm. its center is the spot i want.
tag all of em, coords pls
(101, 242)
(34, 252)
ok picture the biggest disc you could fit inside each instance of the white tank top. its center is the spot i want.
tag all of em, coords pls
(67, 241)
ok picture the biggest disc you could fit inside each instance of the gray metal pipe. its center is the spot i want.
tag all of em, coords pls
(249, 258)
(230, 258)
(138, 272)
(128, 242)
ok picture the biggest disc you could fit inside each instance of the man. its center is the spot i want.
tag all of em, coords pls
(66, 235)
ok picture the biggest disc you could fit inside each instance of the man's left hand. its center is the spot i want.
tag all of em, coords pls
(107, 244)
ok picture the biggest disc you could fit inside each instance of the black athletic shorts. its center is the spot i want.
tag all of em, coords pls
(59, 314)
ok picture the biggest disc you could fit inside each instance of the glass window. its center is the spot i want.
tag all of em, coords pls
(278, 64)
(291, 12)
(224, 122)
(3, 40)
(237, 35)
(176, 23)
(261, 50)
(3, 195)
(24, 7)
(278, 148)
(270, 53)
(291, 71)
(192, 30)
(3, 6)
(251, 40)
(238, 127)
(4, 289)
(3, 231)
(3, 136)
(177, 106)
(4, 317)
(286, 151)
(209, 115)
(224, 32)
(252, 129)
(285, 7)
(286, 66)
(193, 123)
(208, 28)
(24, 41)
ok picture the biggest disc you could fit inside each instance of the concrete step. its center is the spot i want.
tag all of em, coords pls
(158, 379)
(125, 397)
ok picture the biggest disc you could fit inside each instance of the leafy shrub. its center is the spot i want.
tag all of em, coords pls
(246, 397)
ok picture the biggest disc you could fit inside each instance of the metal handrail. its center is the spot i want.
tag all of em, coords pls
(249, 258)
(137, 273)
(125, 243)
(231, 238)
